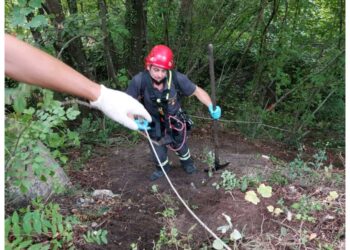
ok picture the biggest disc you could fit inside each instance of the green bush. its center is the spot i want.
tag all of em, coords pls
(40, 227)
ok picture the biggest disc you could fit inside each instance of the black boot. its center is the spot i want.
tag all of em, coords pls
(159, 173)
(188, 166)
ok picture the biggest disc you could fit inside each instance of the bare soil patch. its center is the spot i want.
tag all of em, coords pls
(134, 216)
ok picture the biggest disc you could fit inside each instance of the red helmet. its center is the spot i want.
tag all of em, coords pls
(160, 56)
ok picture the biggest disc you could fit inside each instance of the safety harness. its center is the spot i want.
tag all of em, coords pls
(179, 122)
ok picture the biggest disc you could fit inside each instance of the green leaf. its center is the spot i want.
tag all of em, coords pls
(295, 206)
(15, 218)
(60, 228)
(244, 185)
(55, 140)
(15, 242)
(235, 235)
(252, 197)
(17, 18)
(37, 21)
(104, 237)
(218, 245)
(98, 240)
(27, 225)
(16, 229)
(45, 223)
(71, 113)
(22, 3)
(19, 104)
(43, 178)
(63, 158)
(38, 246)
(35, 3)
(265, 191)
(37, 222)
(7, 227)
(24, 244)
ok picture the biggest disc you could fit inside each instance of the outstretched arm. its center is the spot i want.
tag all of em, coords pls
(28, 64)
(204, 98)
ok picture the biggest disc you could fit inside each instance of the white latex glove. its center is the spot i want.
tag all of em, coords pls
(117, 105)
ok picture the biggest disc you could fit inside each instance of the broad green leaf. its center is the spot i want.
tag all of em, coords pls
(104, 239)
(19, 104)
(24, 244)
(22, 3)
(18, 19)
(15, 218)
(104, 236)
(244, 185)
(16, 229)
(38, 246)
(37, 222)
(35, 3)
(27, 224)
(7, 227)
(252, 197)
(60, 228)
(235, 235)
(218, 245)
(15, 242)
(37, 21)
(265, 191)
(98, 240)
(295, 206)
(72, 113)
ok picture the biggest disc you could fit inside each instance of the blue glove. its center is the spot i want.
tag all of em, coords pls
(215, 114)
(142, 124)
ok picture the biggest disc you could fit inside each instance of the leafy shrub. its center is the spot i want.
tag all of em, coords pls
(25, 128)
(43, 227)
(99, 237)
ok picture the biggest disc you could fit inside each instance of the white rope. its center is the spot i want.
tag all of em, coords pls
(182, 201)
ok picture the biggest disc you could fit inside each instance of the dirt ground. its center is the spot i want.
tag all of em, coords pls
(134, 216)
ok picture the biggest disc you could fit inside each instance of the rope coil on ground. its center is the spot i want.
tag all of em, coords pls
(180, 198)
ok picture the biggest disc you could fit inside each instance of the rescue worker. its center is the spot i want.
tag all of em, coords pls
(159, 89)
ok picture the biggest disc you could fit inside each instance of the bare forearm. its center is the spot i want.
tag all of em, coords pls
(30, 65)
(202, 96)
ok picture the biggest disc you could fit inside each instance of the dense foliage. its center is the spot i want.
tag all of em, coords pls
(279, 63)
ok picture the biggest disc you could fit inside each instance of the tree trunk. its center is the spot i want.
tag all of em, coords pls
(184, 23)
(107, 41)
(166, 16)
(54, 8)
(76, 49)
(136, 20)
